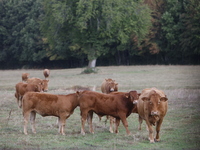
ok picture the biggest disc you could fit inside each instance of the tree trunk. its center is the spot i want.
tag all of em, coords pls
(92, 63)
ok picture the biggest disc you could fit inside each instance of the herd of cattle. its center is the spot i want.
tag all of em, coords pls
(150, 105)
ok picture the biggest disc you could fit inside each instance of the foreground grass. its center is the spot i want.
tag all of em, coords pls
(180, 129)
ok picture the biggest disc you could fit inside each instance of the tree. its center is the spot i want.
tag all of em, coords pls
(21, 41)
(91, 26)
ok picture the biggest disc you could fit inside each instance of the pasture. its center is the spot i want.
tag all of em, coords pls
(180, 129)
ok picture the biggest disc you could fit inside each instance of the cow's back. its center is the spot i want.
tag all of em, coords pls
(147, 92)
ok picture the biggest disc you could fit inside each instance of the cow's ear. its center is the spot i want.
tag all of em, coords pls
(127, 95)
(145, 99)
(163, 99)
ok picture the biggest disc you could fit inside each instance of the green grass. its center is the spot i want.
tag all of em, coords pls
(180, 129)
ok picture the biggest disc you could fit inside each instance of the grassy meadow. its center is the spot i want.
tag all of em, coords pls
(179, 131)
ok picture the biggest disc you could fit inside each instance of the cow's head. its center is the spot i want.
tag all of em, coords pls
(153, 102)
(134, 96)
(111, 85)
(45, 85)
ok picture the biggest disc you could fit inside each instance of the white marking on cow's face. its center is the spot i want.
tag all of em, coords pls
(111, 89)
(135, 101)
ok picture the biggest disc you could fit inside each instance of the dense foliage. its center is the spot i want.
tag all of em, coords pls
(62, 34)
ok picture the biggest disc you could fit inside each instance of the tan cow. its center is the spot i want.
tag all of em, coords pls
(25, 76)
(61, 106)
(38, 81)
(152, 107)
(22, 88)
(108, 86)
(46, 73)
(118, 105)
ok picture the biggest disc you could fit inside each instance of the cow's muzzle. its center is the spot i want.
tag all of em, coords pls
(153, 113)
(112, 89)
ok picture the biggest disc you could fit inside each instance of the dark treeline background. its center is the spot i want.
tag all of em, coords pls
(68, 34)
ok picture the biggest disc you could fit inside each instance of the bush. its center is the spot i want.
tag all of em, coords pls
(89, 70)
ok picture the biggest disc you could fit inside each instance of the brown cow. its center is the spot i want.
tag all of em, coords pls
(46, 73)
(108, 86)
(25, 76)
(152, 107)
(118, 105)
(38, 81)
(22, 88)
(61, 106)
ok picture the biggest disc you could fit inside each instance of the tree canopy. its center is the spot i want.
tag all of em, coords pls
(65, 33)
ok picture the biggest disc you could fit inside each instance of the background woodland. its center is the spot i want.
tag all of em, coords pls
(78, 33)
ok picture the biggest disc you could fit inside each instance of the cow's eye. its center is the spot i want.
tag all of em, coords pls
(150, 103)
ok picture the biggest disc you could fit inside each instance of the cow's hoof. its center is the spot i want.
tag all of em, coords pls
(157, 140)
(152, 142)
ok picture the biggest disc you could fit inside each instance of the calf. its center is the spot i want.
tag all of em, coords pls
(61, 106)
(152, 107)
(40, 82)
(108, 86)
(46, 73)
(22, 88)
(118, 105)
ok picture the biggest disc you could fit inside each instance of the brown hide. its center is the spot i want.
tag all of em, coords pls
(152, 107)
(25, 76)
(40, 82)
(22, 88)
(108, 86)
(61, 106)
(118, 105)
(46, 73)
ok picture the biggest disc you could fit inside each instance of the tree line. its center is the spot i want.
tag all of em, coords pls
(66, 34)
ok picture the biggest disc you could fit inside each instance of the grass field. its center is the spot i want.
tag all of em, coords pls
(180, 129)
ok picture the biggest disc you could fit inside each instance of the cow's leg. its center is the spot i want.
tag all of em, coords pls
(150, 132)
(32, 119)
(125, 123)
(158, 125)
(20, 101)
(26, 117)
(140, 122)
(62, 121)
(17, 96)
(83, 120)
(117, 121)
(89, 119)
(111, 124)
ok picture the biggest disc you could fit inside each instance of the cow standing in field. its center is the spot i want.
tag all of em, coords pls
(25, 76)
(61, 106)
(152, 107)
(107, 87)
(22, 88)
(38, 81)
(116, 105)
(46, 73)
